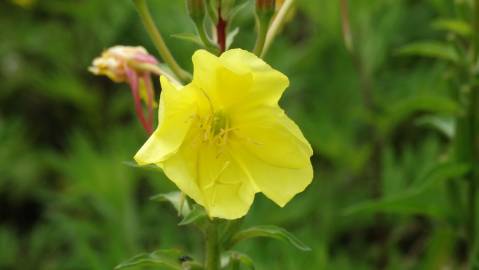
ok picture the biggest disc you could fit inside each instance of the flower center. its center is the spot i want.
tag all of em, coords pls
(216, 128)
(219, 123)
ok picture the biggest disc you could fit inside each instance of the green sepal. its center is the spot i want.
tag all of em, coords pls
(133, 164)
(177, 199)
(167, 258)
(269, 231)
(196, 215)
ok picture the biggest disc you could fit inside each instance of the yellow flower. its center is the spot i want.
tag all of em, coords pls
(222, 138)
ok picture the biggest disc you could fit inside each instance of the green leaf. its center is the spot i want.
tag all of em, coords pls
(411, 201)
(177, 199)
(231, 257)
(403, 109)
(458, 27)
(444, 125)
(196, 214)
(133, 164)
(231, 37)
(167, 258)
(432, 49)
(271, 232)
(193, 38)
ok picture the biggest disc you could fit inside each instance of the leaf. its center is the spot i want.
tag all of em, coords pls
(405, 108)
(133, 164)
(231, 37)
(271, 232)
(444, 125)
(236, 9)
(458, 27)
(177, 199)
(196, 214)
(167, 258)
(432, 49)
(410, 201)
(189, 37)
(231, 257)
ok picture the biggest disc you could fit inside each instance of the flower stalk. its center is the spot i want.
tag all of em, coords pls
(158, 41)
(221, 26)
(212, 256)
(264, 12)
(276, 24)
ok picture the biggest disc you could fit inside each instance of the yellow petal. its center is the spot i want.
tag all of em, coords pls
(280, 184)
(211, 178)
(176, 111)
(273, 152)
(182, 167)
(268, 83)
(268, 133)
(223, 87)
(227, 189)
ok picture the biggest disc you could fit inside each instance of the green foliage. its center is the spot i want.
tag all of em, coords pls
(387, 192)
(268, 231)
(166, 259)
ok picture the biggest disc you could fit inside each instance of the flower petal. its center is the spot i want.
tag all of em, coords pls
(280, 184)
(176, 110)
(224, 87)
(273, 152)
(227, 188)
(211, 178)
(273, 137)
(268, 83)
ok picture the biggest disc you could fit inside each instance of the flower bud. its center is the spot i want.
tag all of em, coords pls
(196, 10)
(115, 61)
(265, 8)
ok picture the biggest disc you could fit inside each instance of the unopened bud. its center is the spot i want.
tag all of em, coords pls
(265, 8)
(196, 10)
(115, 62)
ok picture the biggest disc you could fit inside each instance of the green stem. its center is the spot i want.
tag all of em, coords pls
(262, 25)
(158, 41)
(473, 133)
(278, 21)
(212, 259)
(200, 27)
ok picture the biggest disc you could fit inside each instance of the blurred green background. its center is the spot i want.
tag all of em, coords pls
(378, 200)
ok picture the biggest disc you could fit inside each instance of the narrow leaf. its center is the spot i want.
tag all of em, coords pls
(189, 37)
(196, 214)
(458, 27)
(271, 232)
(432, 49)
(231, 37)
(177, 199)
(232, 257)
(444, 125)
(166, 258)
(412, 200)
(133, 164)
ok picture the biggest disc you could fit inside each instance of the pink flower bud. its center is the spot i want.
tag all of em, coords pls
(115, 62)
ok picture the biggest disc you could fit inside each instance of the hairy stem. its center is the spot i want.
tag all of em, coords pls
(158, 41)
(221, 32)
(262, 27)
(212, 258)
(278, 21)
